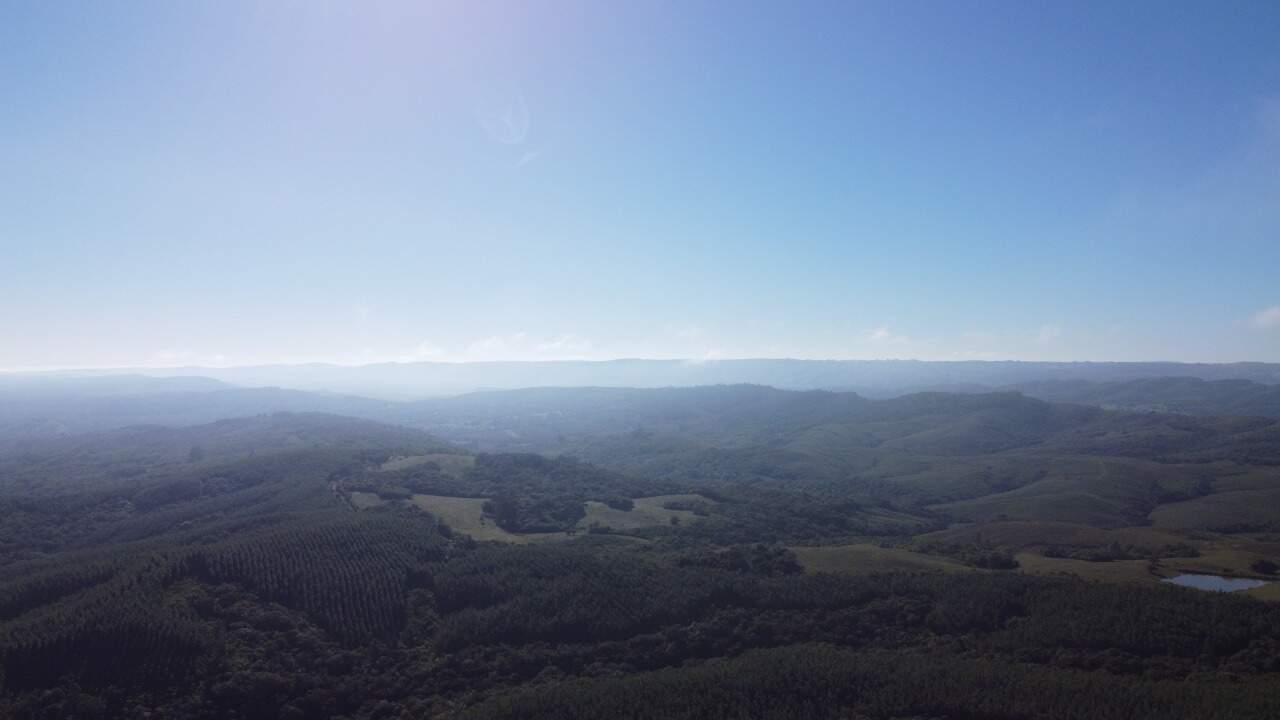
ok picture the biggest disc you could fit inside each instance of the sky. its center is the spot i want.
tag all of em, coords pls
(232, 183)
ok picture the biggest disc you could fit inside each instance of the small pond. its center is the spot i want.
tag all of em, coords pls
(1215, 583)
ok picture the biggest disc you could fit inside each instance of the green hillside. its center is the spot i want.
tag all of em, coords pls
(310, 565)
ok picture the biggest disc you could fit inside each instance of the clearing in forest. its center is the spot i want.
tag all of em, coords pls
(647, 512)
(365, 500)
(466, 515)
(450, 464)
(865, 558)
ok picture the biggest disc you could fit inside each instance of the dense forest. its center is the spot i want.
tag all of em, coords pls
(732, 552)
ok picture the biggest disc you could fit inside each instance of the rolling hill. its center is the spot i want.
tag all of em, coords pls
(538, 544)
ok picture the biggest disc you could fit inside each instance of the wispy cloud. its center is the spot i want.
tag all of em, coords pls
(172, 358)
(1266, 318)
(424, 350)
(496, 346)
(567, 343)
(506, 122)
(1048, 333)
(710, 356)
(523, 346)
(885, 336)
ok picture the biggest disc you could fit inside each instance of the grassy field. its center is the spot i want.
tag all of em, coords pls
(1215, 559)
(865, 558)
(365, 500)
(466, 515)
(1224, 557)
(1086, 491)
(1023, 534)
(1116, 571)
(1223, 510)
(1269, 592)
(883, 520)
(1231, 556)
(647, 512)
(1230, 477)
(450, 464)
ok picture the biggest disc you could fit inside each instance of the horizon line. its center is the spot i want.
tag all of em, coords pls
(685, 360)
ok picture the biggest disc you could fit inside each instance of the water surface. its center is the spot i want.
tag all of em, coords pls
(1215, 583)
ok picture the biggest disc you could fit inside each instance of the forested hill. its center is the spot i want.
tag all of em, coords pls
(719, 413)
(876, 377)
(734, 551)
(1166, 394)
(53, 408)
(747, 415)
(67, 407)
(123, 451)
(421, 379)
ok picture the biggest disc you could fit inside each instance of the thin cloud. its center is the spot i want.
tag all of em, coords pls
(424, 350)
(1266, 318)
(175, 358)
(523, 346)
(494, 345)
(709, 357)
(566, 344)
(170, 357)
(1048, 333)
(507, 123)
(885, 336)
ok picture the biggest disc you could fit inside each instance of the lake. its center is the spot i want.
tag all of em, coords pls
(1215, 583)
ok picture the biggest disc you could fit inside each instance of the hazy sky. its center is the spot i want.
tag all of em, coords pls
(233, 183)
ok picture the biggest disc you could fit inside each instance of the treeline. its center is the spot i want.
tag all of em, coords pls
(374, 614)
(813, 682)
(513, 597)
(185, 499)
(113, 618)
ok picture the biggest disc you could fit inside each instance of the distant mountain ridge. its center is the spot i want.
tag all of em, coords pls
(51, 408)
(425, 379)
(1186, 395)
(80, 407)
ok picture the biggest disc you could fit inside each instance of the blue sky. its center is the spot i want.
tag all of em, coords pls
(236, 183)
